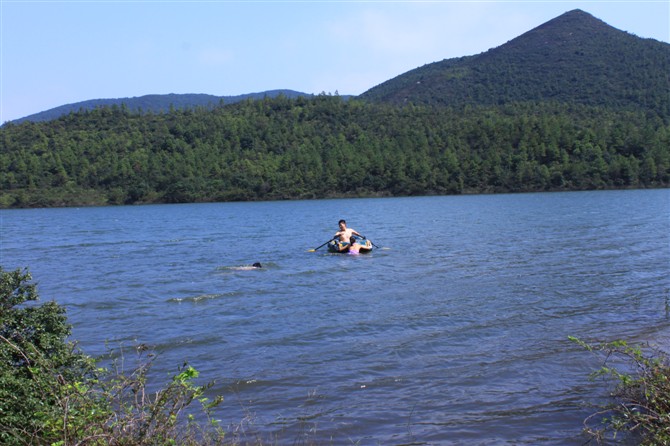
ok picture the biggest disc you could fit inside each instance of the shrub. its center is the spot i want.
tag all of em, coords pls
(641, 404)
(36, 363)
(52, 394)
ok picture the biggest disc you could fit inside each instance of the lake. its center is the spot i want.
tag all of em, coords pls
(454, 332)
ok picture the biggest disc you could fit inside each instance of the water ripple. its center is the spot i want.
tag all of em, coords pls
(457, 335)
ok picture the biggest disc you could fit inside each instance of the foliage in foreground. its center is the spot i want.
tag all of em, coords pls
(641, 404)
(52, 394)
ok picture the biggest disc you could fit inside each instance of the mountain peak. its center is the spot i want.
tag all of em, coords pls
(575, 16)
(572, 27)
(573, 58)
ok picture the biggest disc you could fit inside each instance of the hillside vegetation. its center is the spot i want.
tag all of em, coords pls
(155, 103)
(573, 104)
(574, 58)
(325, 147)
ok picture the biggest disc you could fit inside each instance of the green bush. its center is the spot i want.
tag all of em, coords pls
(36, 364)
(52, 394)
(641, 398)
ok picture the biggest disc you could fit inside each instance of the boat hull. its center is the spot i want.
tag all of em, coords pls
(337, 246)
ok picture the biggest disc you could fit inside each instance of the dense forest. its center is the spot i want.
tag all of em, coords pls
(288, 148)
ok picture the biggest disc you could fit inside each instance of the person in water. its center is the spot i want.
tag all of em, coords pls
(345, 234)
(354, 246)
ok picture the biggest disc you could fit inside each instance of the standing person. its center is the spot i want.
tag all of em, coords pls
(345, 234)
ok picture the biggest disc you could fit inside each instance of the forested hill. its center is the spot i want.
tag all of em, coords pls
(574, 58)
(156, 103)
(326, 147)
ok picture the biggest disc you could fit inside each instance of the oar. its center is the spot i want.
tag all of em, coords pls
(372, 243)
(312, 250)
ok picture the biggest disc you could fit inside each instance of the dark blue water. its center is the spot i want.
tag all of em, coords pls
(455, 333)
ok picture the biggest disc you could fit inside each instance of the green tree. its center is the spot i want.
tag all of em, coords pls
(52, 394)
(36, 362)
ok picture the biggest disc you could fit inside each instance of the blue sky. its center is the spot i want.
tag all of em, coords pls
(59, 52)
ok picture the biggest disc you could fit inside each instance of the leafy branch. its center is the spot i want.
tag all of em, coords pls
(641, 407)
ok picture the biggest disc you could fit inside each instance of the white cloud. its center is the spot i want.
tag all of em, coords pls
(428, 31)
(214, 57)
(381, 31)
(375, 43)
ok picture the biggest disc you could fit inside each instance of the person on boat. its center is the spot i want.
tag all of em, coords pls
(345, 234)
(354, 247)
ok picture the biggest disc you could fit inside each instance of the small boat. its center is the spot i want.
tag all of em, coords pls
(343, 247)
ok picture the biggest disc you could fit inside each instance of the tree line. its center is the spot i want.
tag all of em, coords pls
(325, 146)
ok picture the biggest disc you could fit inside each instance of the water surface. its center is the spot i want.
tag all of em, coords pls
(454, 333)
